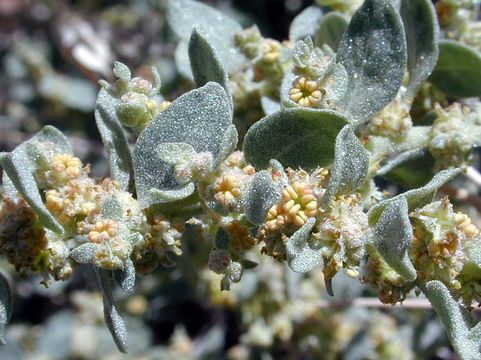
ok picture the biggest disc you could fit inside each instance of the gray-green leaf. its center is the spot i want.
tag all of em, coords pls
(21, 164)
(298, 137)
(458, 70)
(422, 32)
(126, 278)
(5, 306)
(332, 27)
(205, 63)
(200, 118)
(113, 319)
(306, 23)
(260, 195)
(416, 198)
(373, 52)
(392, 236)
(456, 320)
(115, 141)
(185, 15)
(351, 164)
(300, 257)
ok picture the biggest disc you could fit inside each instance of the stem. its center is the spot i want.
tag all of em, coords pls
(473, 175)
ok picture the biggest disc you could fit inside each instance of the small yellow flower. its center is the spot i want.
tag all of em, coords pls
(305, 92)
(227, 190)
(66, 165)
(271, 50)
(103, 230)
(463, 223)
(164, 105)
(297, 205)
(53, 201)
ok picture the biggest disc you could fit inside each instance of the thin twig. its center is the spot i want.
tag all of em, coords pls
(473, 175)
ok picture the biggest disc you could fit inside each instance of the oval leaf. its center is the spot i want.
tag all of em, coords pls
(298, 137)
(260, 195)
(185, 15)
(20, 166)
(126, 278)
(300, 257)
(113, 319)
(200, 118)
(5, 306)
(455, 319)
(331, 29)
(416, 198)
(115, 141)
(205, 64)
(392, 235)
(422, 32)
(305, 23)
(458, 70)
(351, 164)
(373, 52)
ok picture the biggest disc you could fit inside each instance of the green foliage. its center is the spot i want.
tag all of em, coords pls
(5, 306)
(416, 198)
(331, 29)
(114, 138)
(199, 118)
(185, 15)
(457, 71)
(21, 164)
(205, 63)
(305, 23)
(302, 187)
(261, 194)
(393, 234)
(457, 321)
(421, 27)
(351, 164)
(113, 319)
(300, 256)
(373, 52)
(302, 138)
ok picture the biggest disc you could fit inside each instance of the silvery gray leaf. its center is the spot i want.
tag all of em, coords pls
(20, 166)
(300, 256)
(185, 15)
(331, 29)
(113, 319)
(399, 160)
(111, 209)
(416, 198)
(351, 164)
(306, 23)
(200, 118)
(84, 253)
(260, 195)
(422, 33)
(205, 63)
(269, 105)
(126, 278)
(182, 61)
(392, 235)
(228, 144)
(373, 52)
(122, 71)
(6, 306)
(457, 321)
(298, 137)
(115, 141)
(174, 153)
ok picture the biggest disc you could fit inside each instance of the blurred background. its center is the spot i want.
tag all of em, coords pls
(52, 54)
